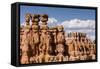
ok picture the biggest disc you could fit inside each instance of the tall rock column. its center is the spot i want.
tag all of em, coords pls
(60, 43)
(45, 37)
(25, 41)
(35, 35)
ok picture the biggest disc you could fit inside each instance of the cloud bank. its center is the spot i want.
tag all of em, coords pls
(76, 25)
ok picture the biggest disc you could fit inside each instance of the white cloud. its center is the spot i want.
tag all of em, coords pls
(52, 22)
(23, 24)
(81, 30)
(77, 23)
(92, 37)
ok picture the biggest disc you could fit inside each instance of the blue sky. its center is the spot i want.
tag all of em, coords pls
(73, 19)
(60, 14)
